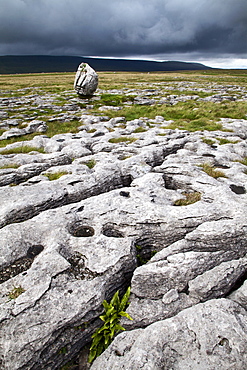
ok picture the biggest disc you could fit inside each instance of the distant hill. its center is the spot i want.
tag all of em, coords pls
(10, 64)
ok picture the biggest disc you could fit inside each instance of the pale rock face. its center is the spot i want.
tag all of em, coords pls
(86, 80)
(210, 335)
(111, 221)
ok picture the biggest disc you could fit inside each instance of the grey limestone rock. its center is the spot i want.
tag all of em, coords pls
(240, 295)
(218, 281)
(86, 80)
(110, 219)
(33, 126)
(210, 335)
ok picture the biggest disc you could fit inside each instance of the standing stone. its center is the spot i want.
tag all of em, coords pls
(86, 80)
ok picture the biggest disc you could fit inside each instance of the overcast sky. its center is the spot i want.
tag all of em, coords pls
(213, 32)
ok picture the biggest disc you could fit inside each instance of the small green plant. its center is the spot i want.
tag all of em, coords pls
(69, 366)
(143, 255)
(190, 198)
(141, 261)
(138, 247)
(211, 171)
(122, 139)
(111, 317)
(56, 175)
(81, 327)
(91, 163)
(15, 292)
(63, 350)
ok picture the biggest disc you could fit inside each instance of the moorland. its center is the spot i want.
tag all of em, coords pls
(197, 112)
(142, 185)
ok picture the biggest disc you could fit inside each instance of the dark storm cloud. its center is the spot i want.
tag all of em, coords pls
(123, 27)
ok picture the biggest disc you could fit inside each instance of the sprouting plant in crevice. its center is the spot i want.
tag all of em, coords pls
(63, 350)
(140, 259)
(111, 317)
(91, 163)
(143, 255)
(15, 292)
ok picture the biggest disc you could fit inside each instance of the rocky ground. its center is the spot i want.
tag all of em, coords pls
(121, 203)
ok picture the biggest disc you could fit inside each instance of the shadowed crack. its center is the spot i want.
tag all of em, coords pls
(21, 264)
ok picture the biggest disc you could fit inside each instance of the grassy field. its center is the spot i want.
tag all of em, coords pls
(51, 82)
(121, 88)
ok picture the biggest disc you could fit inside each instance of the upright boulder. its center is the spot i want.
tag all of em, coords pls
(86, 80)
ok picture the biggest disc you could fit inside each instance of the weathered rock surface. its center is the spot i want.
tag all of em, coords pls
(110, 220)
(209, 335)
(86, 80)
(33, 126)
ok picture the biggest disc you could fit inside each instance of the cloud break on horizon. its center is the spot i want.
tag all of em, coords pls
(213, 32)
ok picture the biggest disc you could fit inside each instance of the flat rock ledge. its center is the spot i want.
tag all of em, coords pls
(113, 220)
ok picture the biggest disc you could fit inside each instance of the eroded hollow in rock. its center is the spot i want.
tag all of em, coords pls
(111, 230)
(20, 265)
(208, 155)
(223, 166)
(78, 230)
(34, 250)
(237, 189)
(125, 194)
(169, 182)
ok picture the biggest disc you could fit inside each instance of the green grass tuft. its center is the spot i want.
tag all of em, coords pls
(223, 141)
(139, 129)
(208, 141)
(190, 198)
(15, 292)
(9, 166)
(22, 149)
(211, 171)
(91, 163)
(122, 139)
(56, 175)
(57, 127)
(114, 100)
